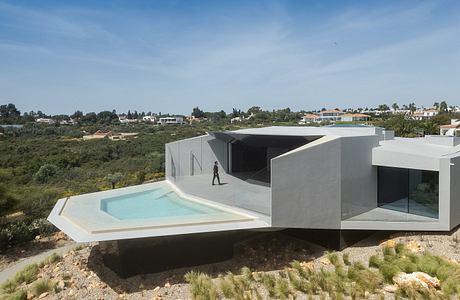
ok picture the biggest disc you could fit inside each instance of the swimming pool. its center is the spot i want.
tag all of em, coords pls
(155, 203)
(152, 209)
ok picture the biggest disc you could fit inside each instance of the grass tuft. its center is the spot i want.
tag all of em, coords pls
(27, 275)
(42, 286)
(201, 286)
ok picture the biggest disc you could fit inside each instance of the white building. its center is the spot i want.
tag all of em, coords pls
(171, 120)
(149, 119)
(44, 121)
(451, 129)
(425, 114)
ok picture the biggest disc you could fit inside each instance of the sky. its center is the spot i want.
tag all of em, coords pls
(170, 56)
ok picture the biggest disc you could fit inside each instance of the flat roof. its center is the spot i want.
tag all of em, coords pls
(427, 146)
(312, 131)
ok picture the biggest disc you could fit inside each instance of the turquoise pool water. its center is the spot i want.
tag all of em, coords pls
(155, 203)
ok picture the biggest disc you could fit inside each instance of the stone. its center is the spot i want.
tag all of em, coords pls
(414, 247)
(38, 237)
(325, 261)
(156, 297)
(60, 285)
(56, 269)
(308, 265)
(390, 288)
(30, 295)
(167, 285)
(43, 295)
(390, 243)
(417, 278)
(156, 289)
(59, 236)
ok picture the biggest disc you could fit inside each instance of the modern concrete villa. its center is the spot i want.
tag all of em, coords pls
(306, 178)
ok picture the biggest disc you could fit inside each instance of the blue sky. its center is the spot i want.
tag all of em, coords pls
(60, 56)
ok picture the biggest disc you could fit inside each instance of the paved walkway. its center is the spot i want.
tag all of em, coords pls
(9, 272)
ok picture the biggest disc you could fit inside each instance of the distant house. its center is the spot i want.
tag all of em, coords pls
(45, 121)
(171, 120)
(331, 115)
(354, 117)
(125, 120)
(241, 118)
(425, 114)
(193, 119)
(452, 129)
(149, 119)
(110, 135)
(308, 118)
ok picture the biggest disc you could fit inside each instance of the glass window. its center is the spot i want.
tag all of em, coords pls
(408, 190)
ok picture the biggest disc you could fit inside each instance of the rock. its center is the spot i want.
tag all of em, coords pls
(390, 243)
(156, 289)
(43, 295)
(167, 285)
(60, 285)
(30, 295)
(55, 270)
(325, 261)
(417, 278)
(308, 265)
(71, 293)
(390, 288)
(414, 247)
(156, 297)
(59, 236)
(38, 237)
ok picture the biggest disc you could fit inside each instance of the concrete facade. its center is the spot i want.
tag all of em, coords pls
(331, 181)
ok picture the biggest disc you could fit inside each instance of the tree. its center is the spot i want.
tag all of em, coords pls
(114, 178)
(254, 110)
(383, 107)
(443, 106)
(77, 115)
(412, 107)
(395, 106)
(45, 173)
(197, 112)
(436, 105)
(9, 113)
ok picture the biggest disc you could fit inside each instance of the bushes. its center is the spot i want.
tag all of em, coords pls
(45, 173)
(21, 232)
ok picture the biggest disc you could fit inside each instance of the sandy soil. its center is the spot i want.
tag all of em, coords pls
(84, 275)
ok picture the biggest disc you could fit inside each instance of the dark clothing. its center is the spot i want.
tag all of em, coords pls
(216, 174)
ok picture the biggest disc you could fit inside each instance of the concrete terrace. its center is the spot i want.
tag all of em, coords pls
(234, 191)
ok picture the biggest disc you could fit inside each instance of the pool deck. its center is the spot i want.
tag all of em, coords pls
(82, 218)
(234, 192)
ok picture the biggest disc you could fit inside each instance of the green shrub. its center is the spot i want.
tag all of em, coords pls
(42, 226)
(388, 271)
(27, 275)
(346, 259)
(375, 261)
(45, 173)
(18, 295)
(53, 258)
(9, 286)
(201, 286)
(42, 286)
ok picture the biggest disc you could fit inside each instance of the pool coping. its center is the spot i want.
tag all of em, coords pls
(78, 232)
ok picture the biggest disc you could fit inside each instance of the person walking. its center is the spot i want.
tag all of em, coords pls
(215, 173)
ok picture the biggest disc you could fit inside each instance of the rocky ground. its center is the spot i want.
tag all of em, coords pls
(35, 247)
(81, 274)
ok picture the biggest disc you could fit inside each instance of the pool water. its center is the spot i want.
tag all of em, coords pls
(155, 203)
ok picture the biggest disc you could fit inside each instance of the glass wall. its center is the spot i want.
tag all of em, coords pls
(408, 190)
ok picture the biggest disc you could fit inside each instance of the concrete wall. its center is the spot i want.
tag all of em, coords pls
(306, 186)
(358, 176)
(194, 156)
(454, 213)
